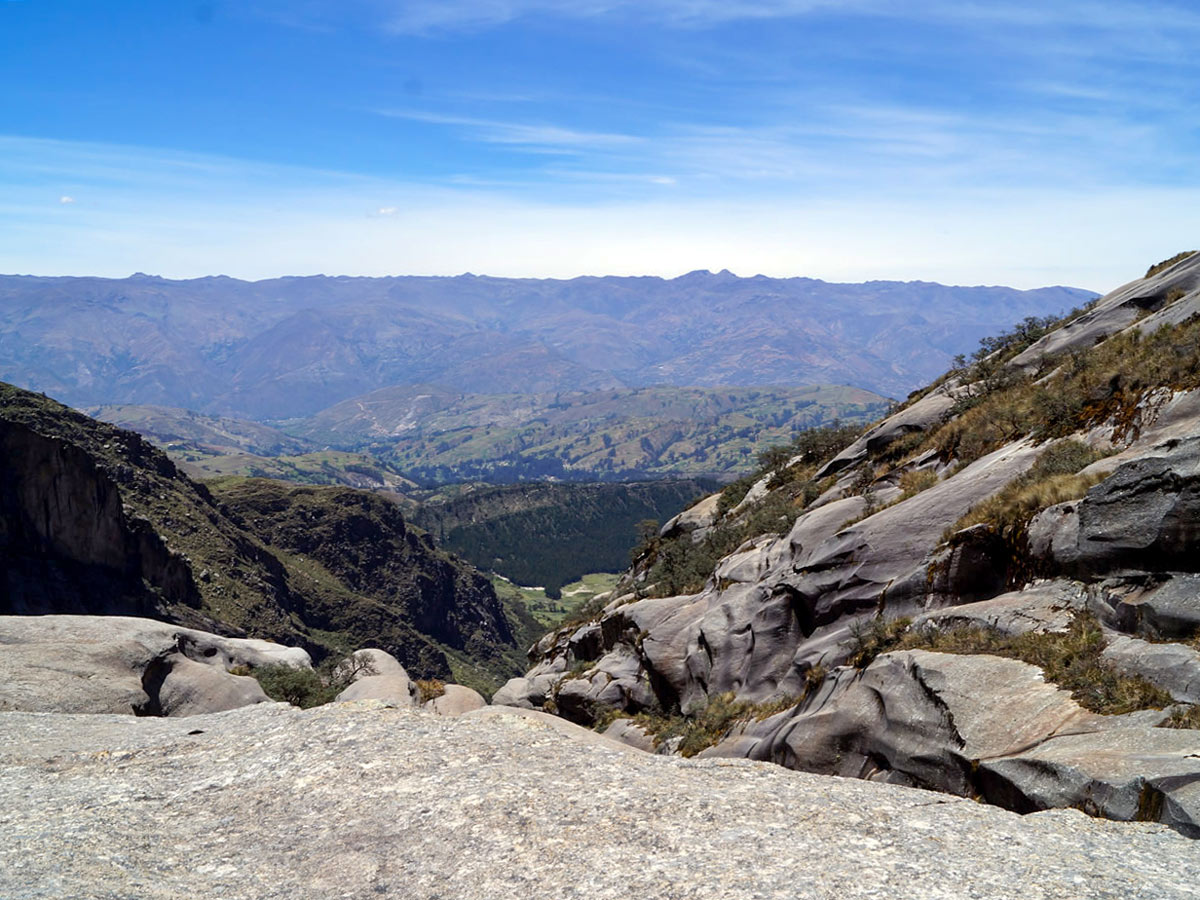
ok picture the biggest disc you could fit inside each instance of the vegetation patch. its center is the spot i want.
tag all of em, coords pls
(1167, 263)
(1071, 659)
(1052, 479)
(1108, 383)
(869, 639)
(305, 687)
(1183, 717)
(429, 689)
(708, 727)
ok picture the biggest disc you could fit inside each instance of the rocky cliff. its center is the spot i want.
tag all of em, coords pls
(994, 592)
(94, 519)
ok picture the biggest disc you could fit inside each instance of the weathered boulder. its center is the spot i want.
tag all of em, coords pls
(119, 664)
(1157, 605)
(698, 516)
(1132, 774)
(383, 679)
(883, 561)
(916, 718)
(1114, 312)
(1049, 606)
(455, 700)
(364, 801)
(927, 412)
(982, 725)
(179, 686)
(1143, 517)
(1173, 667)
(629, 732)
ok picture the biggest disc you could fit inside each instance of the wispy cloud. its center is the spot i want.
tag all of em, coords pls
(540, 137)
(1128, 17)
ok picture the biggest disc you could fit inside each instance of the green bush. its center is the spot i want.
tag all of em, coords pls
(298, 686)
(305, 687)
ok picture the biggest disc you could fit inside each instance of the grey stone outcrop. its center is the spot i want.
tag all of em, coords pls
(367, 800)
(121, 664)
(383, 679)
(456, 700)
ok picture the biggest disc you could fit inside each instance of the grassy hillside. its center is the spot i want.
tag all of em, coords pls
(207, 446)
(439, 436)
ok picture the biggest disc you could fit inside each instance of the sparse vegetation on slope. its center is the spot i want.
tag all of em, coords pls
(1070, 659)
(680, 564)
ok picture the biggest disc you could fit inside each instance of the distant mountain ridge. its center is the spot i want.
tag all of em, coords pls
(289, 347)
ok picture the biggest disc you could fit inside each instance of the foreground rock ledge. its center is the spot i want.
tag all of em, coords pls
(366, 800)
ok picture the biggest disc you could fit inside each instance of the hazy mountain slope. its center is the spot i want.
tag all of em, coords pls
(994, 592)
(206, 446)
(167, 425)
(438, 435)
(94, 519)
(291, 346)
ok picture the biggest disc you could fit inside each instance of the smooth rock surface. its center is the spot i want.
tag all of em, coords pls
(384, 680)
(365, 800)
(123, 664)
(1173, 667)
(456, 700)
(1043, 607)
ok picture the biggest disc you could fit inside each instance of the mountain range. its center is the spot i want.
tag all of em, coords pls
(290, 347)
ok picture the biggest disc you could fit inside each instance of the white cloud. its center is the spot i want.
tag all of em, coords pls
(387, 210)
(65, 199)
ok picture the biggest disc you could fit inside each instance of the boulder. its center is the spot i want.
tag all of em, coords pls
(178, 686)
(534, 689)
(1173, 667)
(1132, 774)
(697, 516)
(629, 732)
(922, 415)
(455, 700)
(1049, 606)
(916, 718)
(385, 679)
(1143, 517)
(119, 664)
(982, 725)
(1160, 606)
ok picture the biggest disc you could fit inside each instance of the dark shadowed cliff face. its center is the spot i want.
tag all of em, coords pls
(66, 543)
(94, 519)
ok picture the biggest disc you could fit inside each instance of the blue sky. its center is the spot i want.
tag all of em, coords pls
(990, 142)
